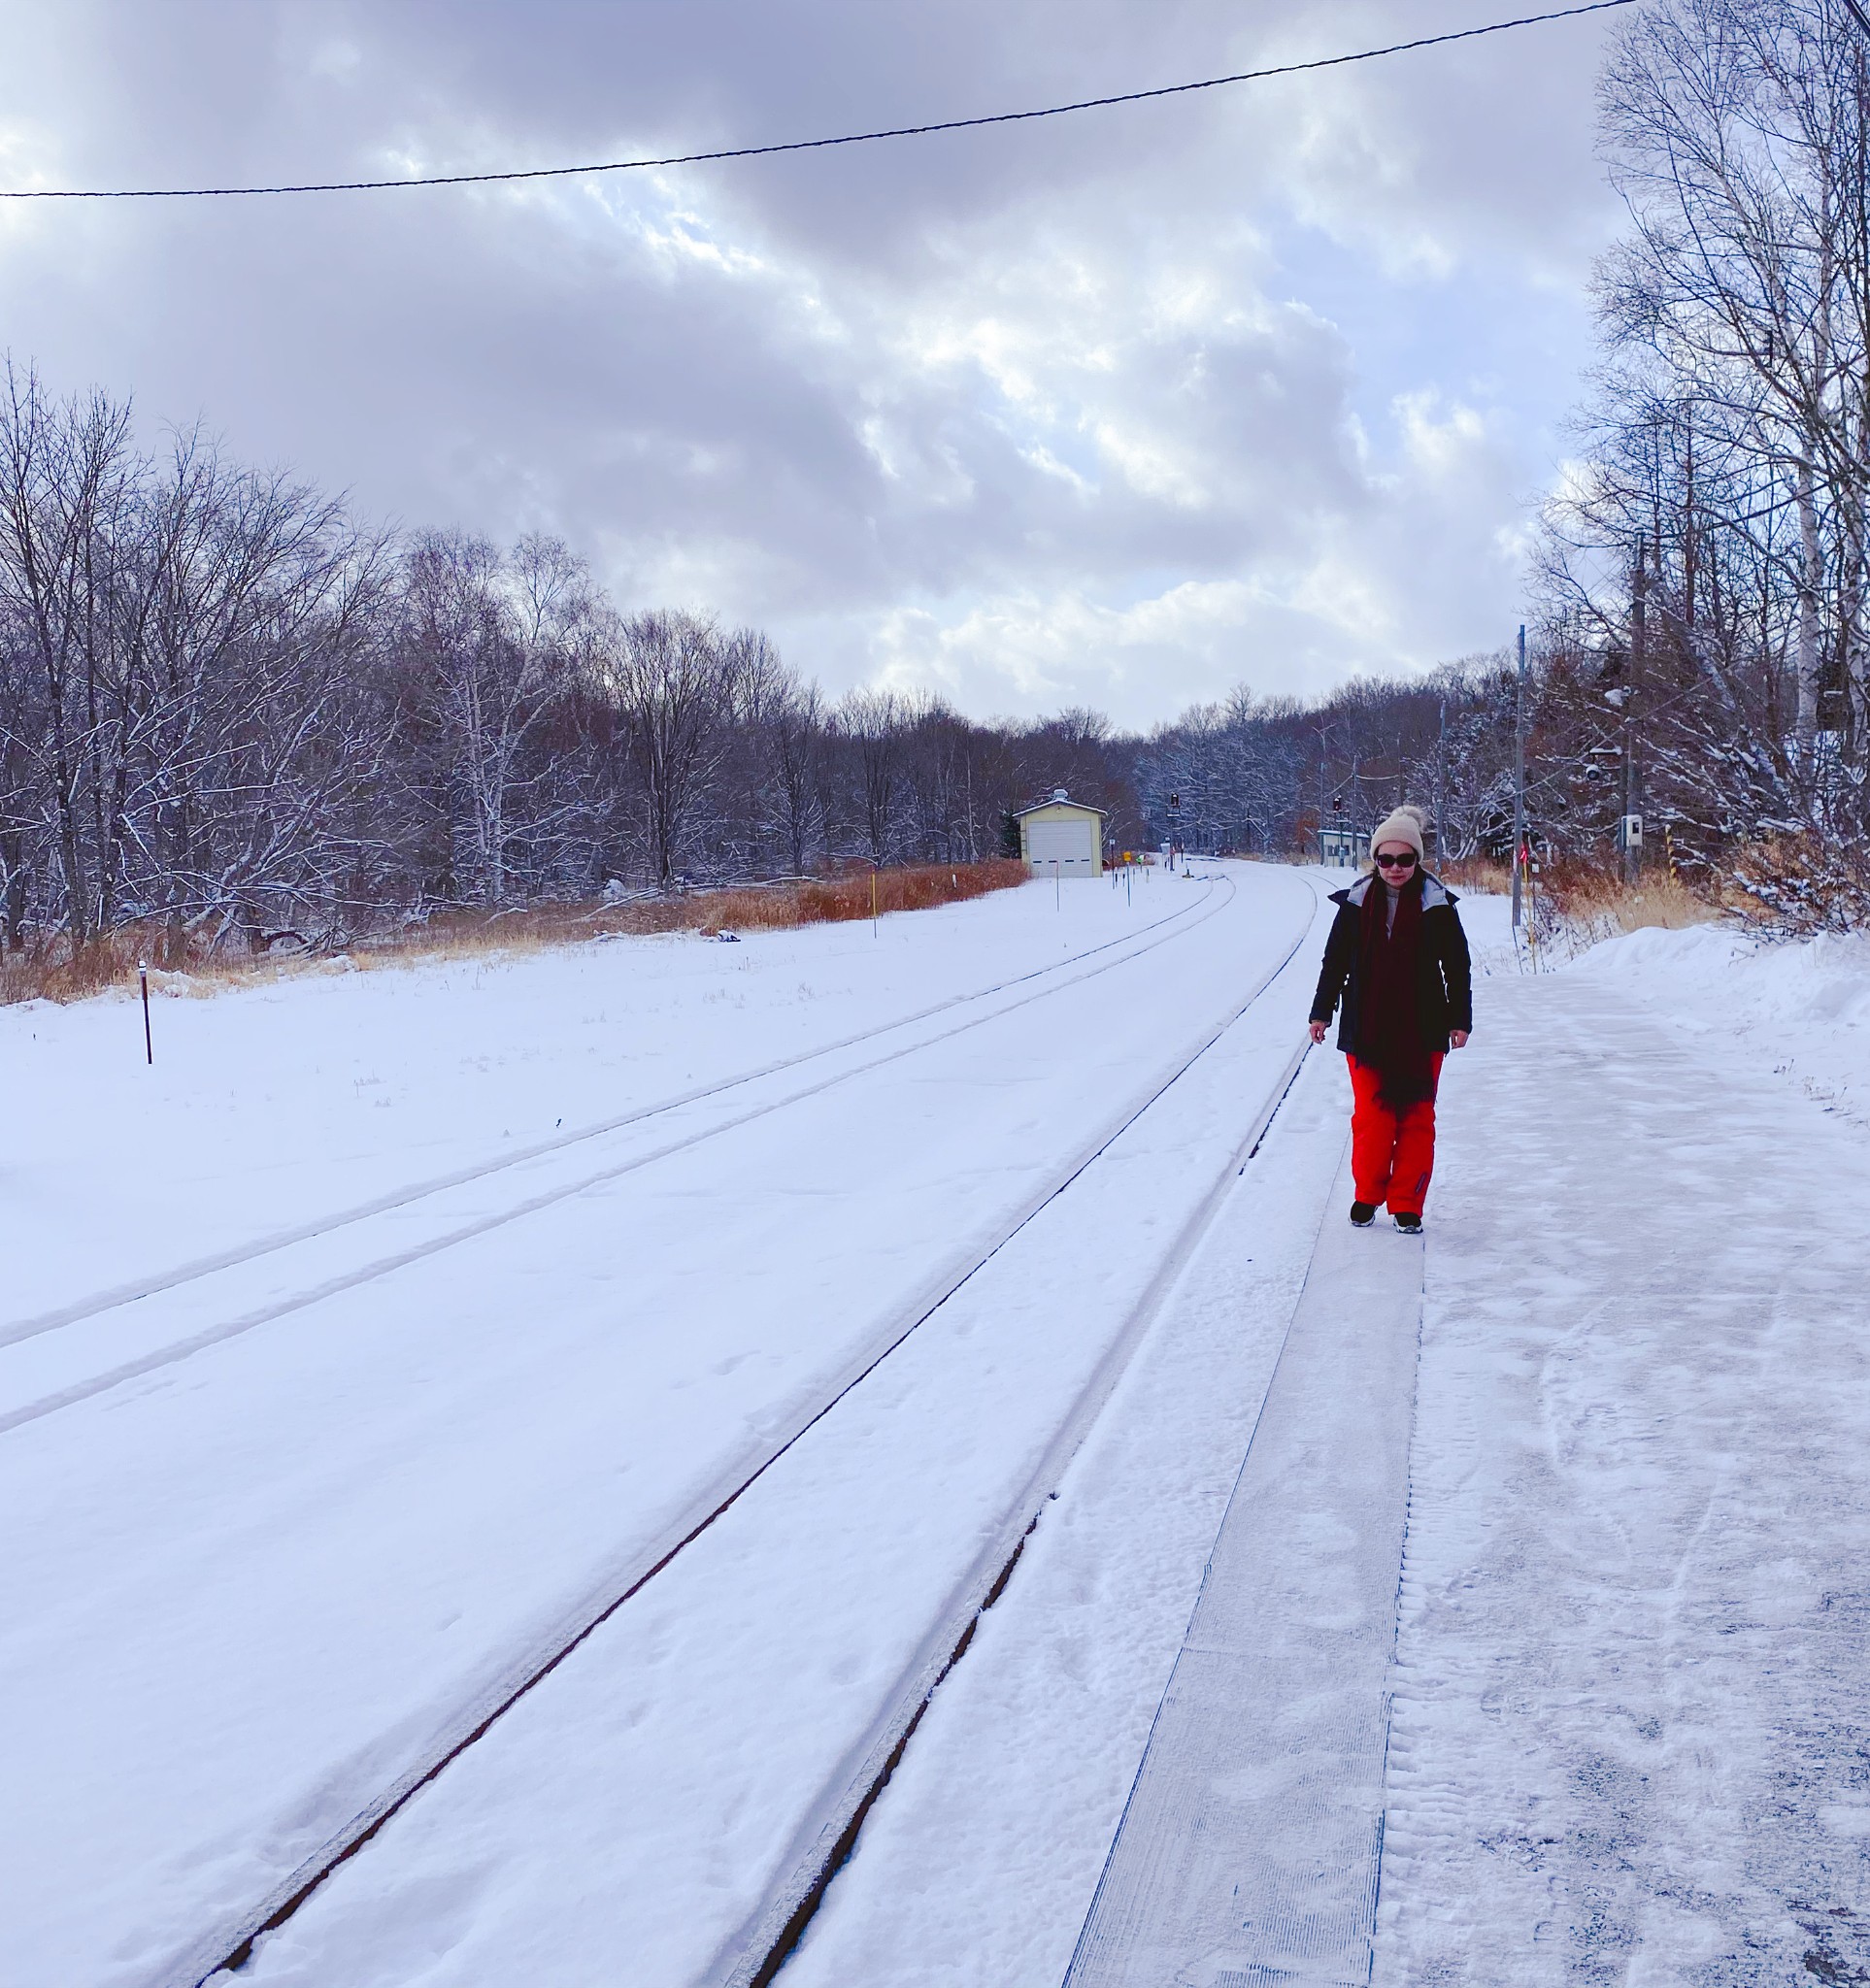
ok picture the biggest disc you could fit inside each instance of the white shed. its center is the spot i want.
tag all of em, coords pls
(1061, 837)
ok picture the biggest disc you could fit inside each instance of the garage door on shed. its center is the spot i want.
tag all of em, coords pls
(1063, 846)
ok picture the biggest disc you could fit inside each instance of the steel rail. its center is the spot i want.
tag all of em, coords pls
(766, 1940)
(177, 1350)
(232, 1945)
(97, 1303)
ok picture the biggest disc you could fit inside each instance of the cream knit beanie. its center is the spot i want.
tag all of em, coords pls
(1406, 825)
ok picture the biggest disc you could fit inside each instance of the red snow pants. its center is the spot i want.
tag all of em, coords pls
(1392, 1153)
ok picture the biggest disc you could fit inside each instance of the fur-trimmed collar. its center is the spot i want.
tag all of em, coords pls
(1435, 893)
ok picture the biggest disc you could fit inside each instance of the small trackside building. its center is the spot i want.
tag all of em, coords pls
(1061, 837)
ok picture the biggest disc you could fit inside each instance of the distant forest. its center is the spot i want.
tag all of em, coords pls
(227, 706)
(230, 709)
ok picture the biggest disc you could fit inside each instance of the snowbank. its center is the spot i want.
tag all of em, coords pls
(1800, 1009)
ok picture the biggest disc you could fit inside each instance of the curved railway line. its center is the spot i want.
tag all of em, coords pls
(1175, 925)
(759, 1947)
(766, 1940)
(13, 1330)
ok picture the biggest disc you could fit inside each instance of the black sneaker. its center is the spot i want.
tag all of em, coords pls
(1410, 1225)
(1362, 1213)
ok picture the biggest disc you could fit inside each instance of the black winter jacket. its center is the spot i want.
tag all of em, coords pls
(1444, 997)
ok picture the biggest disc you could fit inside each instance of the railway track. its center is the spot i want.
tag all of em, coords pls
(766, 1940)
(96, 1303)
(33, 1399)
(760, 1946)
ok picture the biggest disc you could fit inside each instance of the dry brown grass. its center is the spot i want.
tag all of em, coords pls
(111, 960)
(1474, 872)
(1589, 896)
(1792, 886)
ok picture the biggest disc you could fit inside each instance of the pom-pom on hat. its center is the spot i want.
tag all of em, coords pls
(1406, 825)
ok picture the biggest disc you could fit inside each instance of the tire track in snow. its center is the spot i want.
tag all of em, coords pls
(773, 1933)
(177, 1350)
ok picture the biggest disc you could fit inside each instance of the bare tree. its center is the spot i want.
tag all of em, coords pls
(64, 473)
(672, 683)
(873, 722)
(495, 639)
(1735, 405)
(795, 740)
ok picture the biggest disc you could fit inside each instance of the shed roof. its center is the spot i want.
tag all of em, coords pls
(1057, 798)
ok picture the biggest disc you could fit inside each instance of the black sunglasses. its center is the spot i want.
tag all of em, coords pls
(1406, 861)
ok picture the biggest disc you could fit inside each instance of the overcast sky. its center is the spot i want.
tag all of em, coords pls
(1117, 410)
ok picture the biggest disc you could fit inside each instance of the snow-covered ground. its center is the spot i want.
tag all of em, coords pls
(1799, 1010)
(251, 1581)
(1634, 1660)
(278, 1105)
(1634, 1657)
(361, 1475)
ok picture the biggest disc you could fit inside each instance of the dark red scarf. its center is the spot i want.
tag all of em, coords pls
(1389, 1033)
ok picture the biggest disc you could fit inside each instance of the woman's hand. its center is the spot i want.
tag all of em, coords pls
(1317, 1032)
(1457, 1038)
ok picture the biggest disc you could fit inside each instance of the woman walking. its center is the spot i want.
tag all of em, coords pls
(1397, 961)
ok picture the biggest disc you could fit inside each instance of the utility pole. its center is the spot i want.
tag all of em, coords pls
(1440, 786)
(1519, 778)
(1632, 837)
(1324, 737)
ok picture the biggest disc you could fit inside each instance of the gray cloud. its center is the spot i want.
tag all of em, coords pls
(1111, 410)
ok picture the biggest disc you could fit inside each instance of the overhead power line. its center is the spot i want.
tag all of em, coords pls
(764, 151)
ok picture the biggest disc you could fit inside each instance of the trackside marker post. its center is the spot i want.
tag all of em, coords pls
(1532, 908)
(149, 1044)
